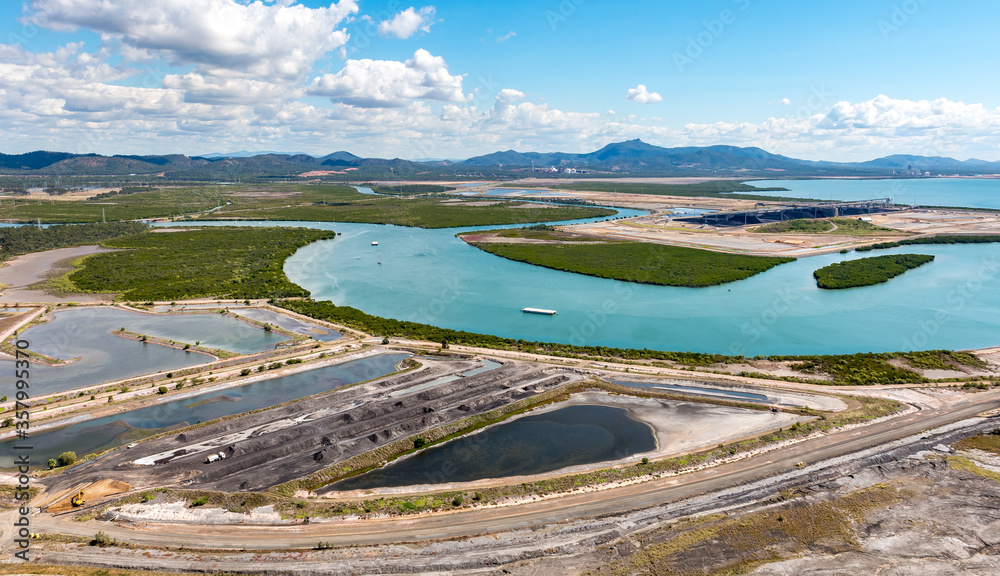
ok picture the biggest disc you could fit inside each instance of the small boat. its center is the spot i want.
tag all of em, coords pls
(539, 311)
(375, 243)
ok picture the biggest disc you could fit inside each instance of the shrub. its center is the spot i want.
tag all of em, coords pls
(66, 458)
(419, 443)
(161, 390)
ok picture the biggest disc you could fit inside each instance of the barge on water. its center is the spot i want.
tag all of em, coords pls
(539, 311)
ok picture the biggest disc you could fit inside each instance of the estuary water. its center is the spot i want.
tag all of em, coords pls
(431, 276)
(958, 192)
(119, 429)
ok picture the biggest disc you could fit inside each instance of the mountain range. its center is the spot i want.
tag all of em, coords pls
(630, 158)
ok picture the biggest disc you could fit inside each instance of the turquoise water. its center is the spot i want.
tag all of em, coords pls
(85, 334)
(961, 192)
(431, 276)
(104, 433)
(570, 436)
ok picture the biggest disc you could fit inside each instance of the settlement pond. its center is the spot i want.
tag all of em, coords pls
(84, 336)
(570, 436)
(118, 429)
(590, 430)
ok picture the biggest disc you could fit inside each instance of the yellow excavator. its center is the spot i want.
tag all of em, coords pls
(78, 500)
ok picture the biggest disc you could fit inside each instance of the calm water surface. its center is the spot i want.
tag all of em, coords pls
(431, 276)
(570, 436)
(960, 192)
(104, 433)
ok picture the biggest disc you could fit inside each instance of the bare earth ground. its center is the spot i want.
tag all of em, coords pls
(69, 196)
(662, 229)
(28, 269)
(940, 521)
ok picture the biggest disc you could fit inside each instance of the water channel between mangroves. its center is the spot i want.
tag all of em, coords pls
(84, 336)
(118, 429)
(533, 444)
(431, 276)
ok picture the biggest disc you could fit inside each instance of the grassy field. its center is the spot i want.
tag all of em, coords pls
(305, 202)
(417, 212)
(985, 442)
(228, 262)
(640, 262)
(713, 189)
(867, 271)
(847, 226)
(157, 203)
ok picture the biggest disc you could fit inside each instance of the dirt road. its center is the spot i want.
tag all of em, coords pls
(550, 511)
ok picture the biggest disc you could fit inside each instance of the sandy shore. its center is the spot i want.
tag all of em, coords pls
(25, 270)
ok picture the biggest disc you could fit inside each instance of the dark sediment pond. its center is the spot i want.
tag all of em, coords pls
(116, 430)
(570, 436)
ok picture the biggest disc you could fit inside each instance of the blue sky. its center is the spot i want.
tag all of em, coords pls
(849, 80)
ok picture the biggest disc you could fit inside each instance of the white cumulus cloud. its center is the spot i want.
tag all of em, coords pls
(391, 84)
(408, 22)
(642, 95)
(218, 36)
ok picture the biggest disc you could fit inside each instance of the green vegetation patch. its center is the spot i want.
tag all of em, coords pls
(985, 442)
(389, 327)
(966, 465)
(856, 369)
(223, 262)
(419, 212)
(640, 262)
(408, 189)
(797, 226)
(149, 204)
(25, 239)
(939, 239)
(846, 226)
(867, 271)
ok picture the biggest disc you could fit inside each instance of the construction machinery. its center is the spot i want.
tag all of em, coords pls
(78, 500)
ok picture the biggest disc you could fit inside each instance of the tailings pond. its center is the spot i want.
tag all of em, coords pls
(85, 334)
(534, 444)
(119, 429)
